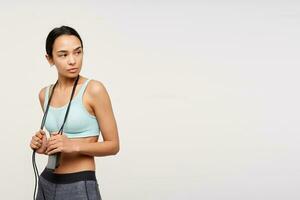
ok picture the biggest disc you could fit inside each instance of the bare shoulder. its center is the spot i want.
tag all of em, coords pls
(99, 98)
(42, 93)
(96, 89)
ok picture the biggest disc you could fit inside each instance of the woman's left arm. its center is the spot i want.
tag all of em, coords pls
(100, 102)
(102, 107)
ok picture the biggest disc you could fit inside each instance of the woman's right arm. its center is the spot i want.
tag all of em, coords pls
(39, 140)
(42, 97)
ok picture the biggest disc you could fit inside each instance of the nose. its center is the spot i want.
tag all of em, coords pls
(71, 60)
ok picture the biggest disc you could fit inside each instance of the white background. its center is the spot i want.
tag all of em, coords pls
(205, 94)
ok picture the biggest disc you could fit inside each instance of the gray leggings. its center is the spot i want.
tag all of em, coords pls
(72, 186)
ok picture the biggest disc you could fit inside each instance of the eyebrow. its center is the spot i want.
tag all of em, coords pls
(63, 51)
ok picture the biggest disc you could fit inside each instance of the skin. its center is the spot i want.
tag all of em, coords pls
(77, 154)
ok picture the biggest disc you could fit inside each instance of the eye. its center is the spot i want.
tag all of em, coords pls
(62, 55)
(78, 52)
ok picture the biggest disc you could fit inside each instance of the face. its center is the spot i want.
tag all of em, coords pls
(67, 55)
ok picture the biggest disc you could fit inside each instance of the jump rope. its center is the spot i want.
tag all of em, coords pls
(53, 160)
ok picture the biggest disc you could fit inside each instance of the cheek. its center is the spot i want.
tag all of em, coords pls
(59, 64)
(58, 67)
(79, 59)
(79, 62)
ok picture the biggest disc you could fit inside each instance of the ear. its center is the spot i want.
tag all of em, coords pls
(49, 59)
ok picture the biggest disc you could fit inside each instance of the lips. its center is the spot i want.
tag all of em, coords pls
(72, 69)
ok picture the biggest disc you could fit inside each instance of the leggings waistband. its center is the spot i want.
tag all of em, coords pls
(68, 177)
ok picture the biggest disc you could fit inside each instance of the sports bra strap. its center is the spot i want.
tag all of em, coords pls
(82, 89)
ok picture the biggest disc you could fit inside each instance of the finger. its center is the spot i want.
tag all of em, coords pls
(39, 135)
(42, 132)
(52, 137)
(37, 143)
(54, 133)
(56, 137)
(52, 147)
(51, 142)
(33, 146)
(56, 150)
(44, 139)
(53, 151)
(37, 139)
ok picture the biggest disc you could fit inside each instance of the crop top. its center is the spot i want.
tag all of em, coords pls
(79, 123)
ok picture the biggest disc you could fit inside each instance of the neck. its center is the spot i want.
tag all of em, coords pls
(65, 82)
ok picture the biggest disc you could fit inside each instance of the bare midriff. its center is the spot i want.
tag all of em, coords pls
(76, 162)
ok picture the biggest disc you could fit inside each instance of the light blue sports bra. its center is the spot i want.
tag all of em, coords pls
(79, 123)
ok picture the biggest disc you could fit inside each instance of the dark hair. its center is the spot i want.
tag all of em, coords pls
(55, 33)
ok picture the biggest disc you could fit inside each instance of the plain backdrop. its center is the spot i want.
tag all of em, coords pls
(205, 94)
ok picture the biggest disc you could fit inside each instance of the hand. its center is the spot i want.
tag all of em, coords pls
(59, 143)
(39, 142)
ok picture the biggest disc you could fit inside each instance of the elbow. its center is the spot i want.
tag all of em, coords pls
(116, 149)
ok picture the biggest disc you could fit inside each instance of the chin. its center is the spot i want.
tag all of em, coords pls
(72, 75)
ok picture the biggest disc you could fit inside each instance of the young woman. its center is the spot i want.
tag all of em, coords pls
(90, 113)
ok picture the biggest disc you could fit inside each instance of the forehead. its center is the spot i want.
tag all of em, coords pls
(66, 42)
